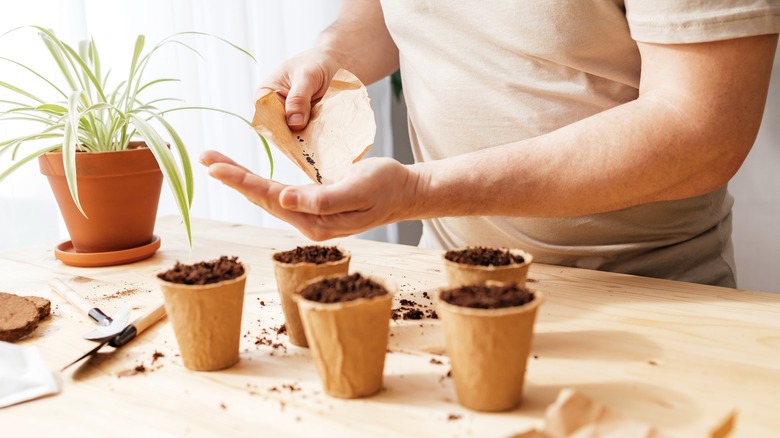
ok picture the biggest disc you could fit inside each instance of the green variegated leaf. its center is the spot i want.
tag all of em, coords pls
(247, 122)
(168, 167)
(22, 161)
(20, 91)
(52, 108)
(156, 81)
(50, 41)
(189, 181)
(69, 162)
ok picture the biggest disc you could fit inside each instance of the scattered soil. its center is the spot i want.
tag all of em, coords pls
(121, 294)
(156, 355)
(138, 369)
(225, 268)
(488, 297)
(483, 256)
(316, 254)
(310, 160)
(18, 317)
(264, 338)
(291, 387)
(410, 309)
(343, 288)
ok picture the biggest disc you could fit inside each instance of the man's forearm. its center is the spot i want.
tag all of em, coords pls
(613, 160)
(360, 42)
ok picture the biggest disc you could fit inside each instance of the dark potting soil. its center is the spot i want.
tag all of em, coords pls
(225, 268)
(483, 256)
(488, 297)
(342, 288)
(316, 254)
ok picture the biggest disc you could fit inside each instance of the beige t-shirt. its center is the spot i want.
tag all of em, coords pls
(480, 74)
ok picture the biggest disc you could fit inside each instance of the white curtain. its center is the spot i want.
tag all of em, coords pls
(271, 30)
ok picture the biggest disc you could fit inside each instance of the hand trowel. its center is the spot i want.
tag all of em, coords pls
(108, 327)
(128, 333)
(113, 331)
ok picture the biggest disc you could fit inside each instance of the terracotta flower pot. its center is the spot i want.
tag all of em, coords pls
(459, 274)
(488, 350)
(119, 191)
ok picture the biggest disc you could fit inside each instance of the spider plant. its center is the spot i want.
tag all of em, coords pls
(89, 115)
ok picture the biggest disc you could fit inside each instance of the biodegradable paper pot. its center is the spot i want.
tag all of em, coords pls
(207, 321)
(461, 274)
(488, 350)
(348, 341)
(290, 279)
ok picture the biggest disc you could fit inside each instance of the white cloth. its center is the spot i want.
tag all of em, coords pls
(24, 375)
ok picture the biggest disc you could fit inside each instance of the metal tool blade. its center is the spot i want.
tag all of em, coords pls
(87, 354)
(106, 332)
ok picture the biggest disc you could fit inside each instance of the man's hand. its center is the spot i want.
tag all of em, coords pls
(357, 41)
(300, 82)
(376, 191)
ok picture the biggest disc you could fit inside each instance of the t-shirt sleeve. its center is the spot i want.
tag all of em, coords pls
(695, 21)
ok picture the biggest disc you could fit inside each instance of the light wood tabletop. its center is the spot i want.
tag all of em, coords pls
(680, 357)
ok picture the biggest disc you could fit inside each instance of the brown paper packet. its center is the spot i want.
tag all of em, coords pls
(348, 341)
(341, 129)
(488, 350)
(461, 274)
(206, 321)
(574, 415)
(290, 279)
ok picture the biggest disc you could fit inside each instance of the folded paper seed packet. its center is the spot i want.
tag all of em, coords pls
(341, 129)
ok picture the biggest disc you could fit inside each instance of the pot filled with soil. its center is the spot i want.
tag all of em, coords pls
(478, 264)
(488, 330)
(204, 302)
(347, 321)
(296, 267)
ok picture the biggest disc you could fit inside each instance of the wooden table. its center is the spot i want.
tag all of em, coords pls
(678, 356)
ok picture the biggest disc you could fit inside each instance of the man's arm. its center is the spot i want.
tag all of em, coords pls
(686, 134)
(694, 122)
(360, 41)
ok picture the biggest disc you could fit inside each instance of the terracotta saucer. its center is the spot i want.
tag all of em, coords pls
(68, 255)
